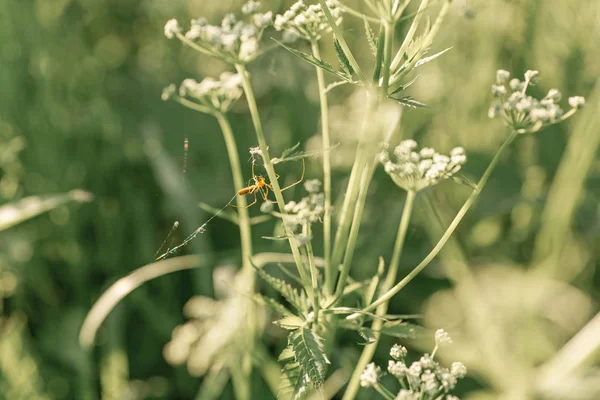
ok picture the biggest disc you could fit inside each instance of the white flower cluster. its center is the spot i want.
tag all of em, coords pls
(233, 40)
(307, 211)
(423, 379)
(370, 376)
(427, 376)
(522, 112)
(306, 22)
(217, 95)
(414, 170)
(442, 338)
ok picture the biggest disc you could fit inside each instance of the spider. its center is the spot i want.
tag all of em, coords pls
(261, 185)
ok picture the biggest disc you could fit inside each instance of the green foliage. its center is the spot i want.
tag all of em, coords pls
(324, 65)
(343, 60)
(310, 355)
(298, 300)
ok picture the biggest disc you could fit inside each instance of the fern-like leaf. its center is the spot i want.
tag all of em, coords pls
(431, 58)
(402, 88)
(371, 37)
(272, 304)
(288, 292)
(409, 101)
(317, 62)
(310, 354)
(293, 384)
(342, 59)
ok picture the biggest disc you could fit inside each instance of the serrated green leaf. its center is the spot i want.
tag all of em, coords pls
(284, 288)
(371, 37)
(431, 58)
(291, 322)
(272, 304)
(367, 334)
(301, 155)
(379, 56)
(410, 102)
(405, 86)
(342, 59)
(310, 354)
(293, 384)
(288, 152)
(402, 330)
(316, 62)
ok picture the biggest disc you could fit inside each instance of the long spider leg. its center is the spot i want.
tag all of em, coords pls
(300, 180)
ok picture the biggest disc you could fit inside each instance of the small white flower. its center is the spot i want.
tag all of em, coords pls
(429, 383)
(168, 92)
(312, 186)
(554, 95)
(398, 352)
(407, 395)
(267, 207)
(397, 368)
(531, 76)
(498, 90)
(172, 28)
(502, 76)
(370, 376)
(458, 369)
(442, 337)
(251, 7)
(302, 239)
(576, 101)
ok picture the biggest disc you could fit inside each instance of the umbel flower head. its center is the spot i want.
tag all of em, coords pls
(414, 170)
(306, 22)
(215, 95)
(234, 41)
(524, 113)
(423, 379)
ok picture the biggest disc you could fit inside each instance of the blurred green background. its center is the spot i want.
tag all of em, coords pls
(80, 107)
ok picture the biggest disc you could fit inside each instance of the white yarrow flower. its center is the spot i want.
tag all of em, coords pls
(172, 28)
(370, 376)
(442, 337)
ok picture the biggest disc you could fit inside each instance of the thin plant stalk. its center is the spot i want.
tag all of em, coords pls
(241, 69)
(329, 274)
(453, 225)
(369, 349)
(353, 236)
(245, 237)
(369, 165)
(238, 181)
(314, 275)
(387, 57)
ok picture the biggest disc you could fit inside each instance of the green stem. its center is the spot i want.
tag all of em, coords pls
(326, 167)
(364, 164)
(238, 181)
(245, 237)
(314, 275)
(369, 350)
(271, 171)
(383, 392)
(367, 173)
(387, 58)
(438, 247)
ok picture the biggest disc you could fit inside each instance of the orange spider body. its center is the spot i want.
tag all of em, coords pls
(259, 183)
(261, 186)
